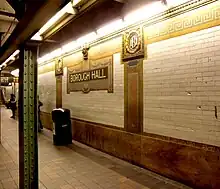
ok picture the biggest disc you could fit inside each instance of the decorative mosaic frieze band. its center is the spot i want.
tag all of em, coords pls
(204, 14)
(202, 18)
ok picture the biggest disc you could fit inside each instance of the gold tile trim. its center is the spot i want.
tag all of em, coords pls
(59, 91)
(128, 70)
(172, 23)
(202, 18)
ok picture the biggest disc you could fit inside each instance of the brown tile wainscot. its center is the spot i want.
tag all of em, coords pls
(195, 164)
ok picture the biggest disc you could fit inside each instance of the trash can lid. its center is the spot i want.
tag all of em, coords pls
(59, 109)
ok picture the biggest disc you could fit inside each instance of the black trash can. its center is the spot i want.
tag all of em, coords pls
(62, 133)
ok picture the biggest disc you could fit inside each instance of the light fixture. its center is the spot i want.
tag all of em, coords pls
(58, 20)
(37, 37)
(145, 12)
(15, 72)
(3, 65)
(110, 27)
(75, 2)
(12, 57)
(67, 9)
(15, 53)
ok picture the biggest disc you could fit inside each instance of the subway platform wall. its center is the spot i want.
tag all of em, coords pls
(174, 95)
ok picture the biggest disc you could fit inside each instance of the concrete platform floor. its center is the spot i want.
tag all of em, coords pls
(74, 167)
